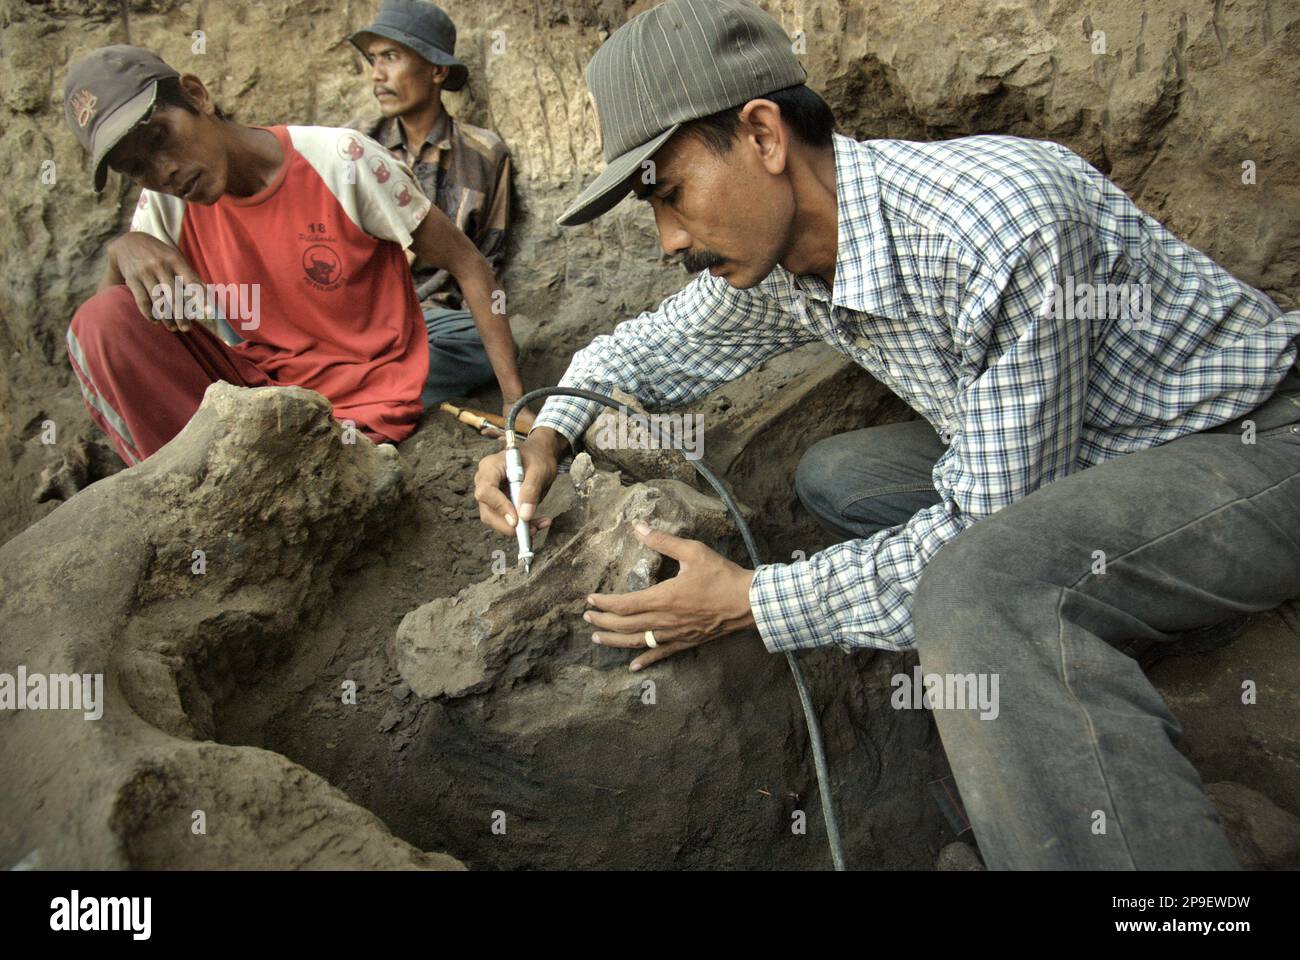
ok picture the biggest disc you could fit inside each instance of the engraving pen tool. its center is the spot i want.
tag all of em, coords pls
(515, 475)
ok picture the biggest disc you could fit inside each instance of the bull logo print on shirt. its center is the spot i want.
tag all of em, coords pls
(380, 170)
(402, 194)
(350, 148)
(322, 266)
(83, 106)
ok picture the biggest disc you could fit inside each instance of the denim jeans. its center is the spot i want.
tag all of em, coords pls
(1080, 768)
(458, 362)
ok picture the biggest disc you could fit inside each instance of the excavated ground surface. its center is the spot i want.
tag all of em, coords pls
(1182, 97)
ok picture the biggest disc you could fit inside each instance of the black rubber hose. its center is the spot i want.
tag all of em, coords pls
(810, 719)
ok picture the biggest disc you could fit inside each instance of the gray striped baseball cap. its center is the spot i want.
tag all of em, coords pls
(676, 62)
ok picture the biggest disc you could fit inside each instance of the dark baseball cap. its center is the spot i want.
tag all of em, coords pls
(107, 94)
(422, 26)
(676, 62)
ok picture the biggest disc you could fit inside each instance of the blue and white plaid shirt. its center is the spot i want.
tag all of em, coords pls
(949, 256)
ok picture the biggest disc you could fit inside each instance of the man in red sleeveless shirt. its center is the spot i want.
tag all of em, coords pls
(291, 237)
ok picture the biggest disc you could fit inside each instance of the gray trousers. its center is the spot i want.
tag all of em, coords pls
(1080, 768)
(458, 362)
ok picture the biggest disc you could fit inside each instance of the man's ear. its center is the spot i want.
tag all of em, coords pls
(763, 131)
(439, 75)
(198, 94)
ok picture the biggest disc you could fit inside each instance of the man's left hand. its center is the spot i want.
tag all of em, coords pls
(708, 598)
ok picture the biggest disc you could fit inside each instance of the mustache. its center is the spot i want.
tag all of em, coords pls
(695, 262)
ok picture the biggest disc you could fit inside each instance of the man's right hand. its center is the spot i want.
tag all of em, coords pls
(144, 263)
(540, 454)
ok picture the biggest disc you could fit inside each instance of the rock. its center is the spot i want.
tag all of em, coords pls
(958, 856)
(1263, 836)
(499, 628)
(86, 458)
(173, 582)
(700, 761)
(581, 473)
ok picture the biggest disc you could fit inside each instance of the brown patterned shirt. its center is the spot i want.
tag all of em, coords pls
(465, 170)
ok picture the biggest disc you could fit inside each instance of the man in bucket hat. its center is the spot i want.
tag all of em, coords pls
(292, 235)
(463, 169)
(1108, 455)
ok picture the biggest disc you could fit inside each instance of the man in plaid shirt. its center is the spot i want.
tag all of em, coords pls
(1109, 458)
